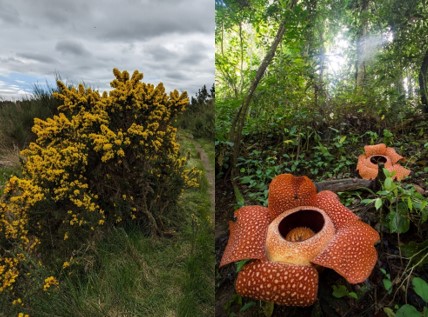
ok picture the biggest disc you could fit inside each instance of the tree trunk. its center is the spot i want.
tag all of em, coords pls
(239, 119)
(423, 83)
(320, 92)
(361, 45)
(343, 185)
(241, 70)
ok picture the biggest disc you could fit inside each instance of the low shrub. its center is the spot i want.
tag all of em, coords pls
(199, 117)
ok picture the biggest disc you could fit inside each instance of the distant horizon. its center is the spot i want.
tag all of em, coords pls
(50, 86)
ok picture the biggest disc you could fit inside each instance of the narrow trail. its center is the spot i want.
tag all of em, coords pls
(209, 172)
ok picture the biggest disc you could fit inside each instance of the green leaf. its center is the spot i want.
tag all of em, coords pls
(383, 192)
(342, 139)
(247, 306)
(398, 223)
(268, 309)
(421, 288)
(388, 183)
(240, 265)
(353, 295)
(387, 284)
(387, 173)
(367, 201)
(408, 311)
(378, 203)
(340, 291)
(389, 312)
(409, 203)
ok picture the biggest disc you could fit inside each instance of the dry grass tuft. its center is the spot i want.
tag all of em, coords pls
(9, 156)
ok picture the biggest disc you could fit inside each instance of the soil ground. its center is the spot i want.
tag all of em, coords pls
(209, 170)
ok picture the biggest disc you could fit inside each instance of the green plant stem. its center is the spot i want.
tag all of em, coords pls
(408, 273)
(399, 248)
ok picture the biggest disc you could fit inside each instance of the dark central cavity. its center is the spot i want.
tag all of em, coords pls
(311, 219)
(376, 159)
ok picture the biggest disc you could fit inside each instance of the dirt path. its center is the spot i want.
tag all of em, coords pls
(209, 170)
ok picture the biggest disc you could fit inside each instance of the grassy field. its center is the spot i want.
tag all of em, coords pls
(130, 274)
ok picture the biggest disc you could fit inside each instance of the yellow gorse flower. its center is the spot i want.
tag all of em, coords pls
(50, 281)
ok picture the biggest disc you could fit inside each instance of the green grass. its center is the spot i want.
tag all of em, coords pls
(134, 275)
(5, 173)
(208, 146)
(138, 276)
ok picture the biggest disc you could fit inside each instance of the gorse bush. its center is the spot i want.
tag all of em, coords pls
(105, 159)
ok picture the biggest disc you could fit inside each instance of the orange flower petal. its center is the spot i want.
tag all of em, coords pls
(287, 191)
(247, 235)
(351, 253)
(400, 171)
(393, 156)
(377, 149)
(292, 285)
(369, 170)
(338, 213)
(366, 168)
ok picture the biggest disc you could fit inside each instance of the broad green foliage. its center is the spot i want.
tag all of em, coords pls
(104, 159)
(304, 84)
(420, 287)
(402, 203)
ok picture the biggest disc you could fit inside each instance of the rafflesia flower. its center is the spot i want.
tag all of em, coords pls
(299, 230)
(367, 164)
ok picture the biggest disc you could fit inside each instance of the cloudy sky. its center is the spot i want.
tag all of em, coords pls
(82, 41)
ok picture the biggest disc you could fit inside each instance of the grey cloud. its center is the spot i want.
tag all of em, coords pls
(37, 57)
(151, 19)
(71, 47)
(56, 17)
(194, 58)
(169, 41)
(177, 75)
(161, 53)
(9, 14)
(198, 52)
(10, 59)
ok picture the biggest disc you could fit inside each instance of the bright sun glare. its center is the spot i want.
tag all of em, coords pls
(336, 57)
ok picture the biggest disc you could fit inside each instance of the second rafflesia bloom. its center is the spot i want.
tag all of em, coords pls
(299, 229)
(368, 167)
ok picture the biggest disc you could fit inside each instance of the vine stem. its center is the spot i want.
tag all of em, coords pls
(408, 271)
